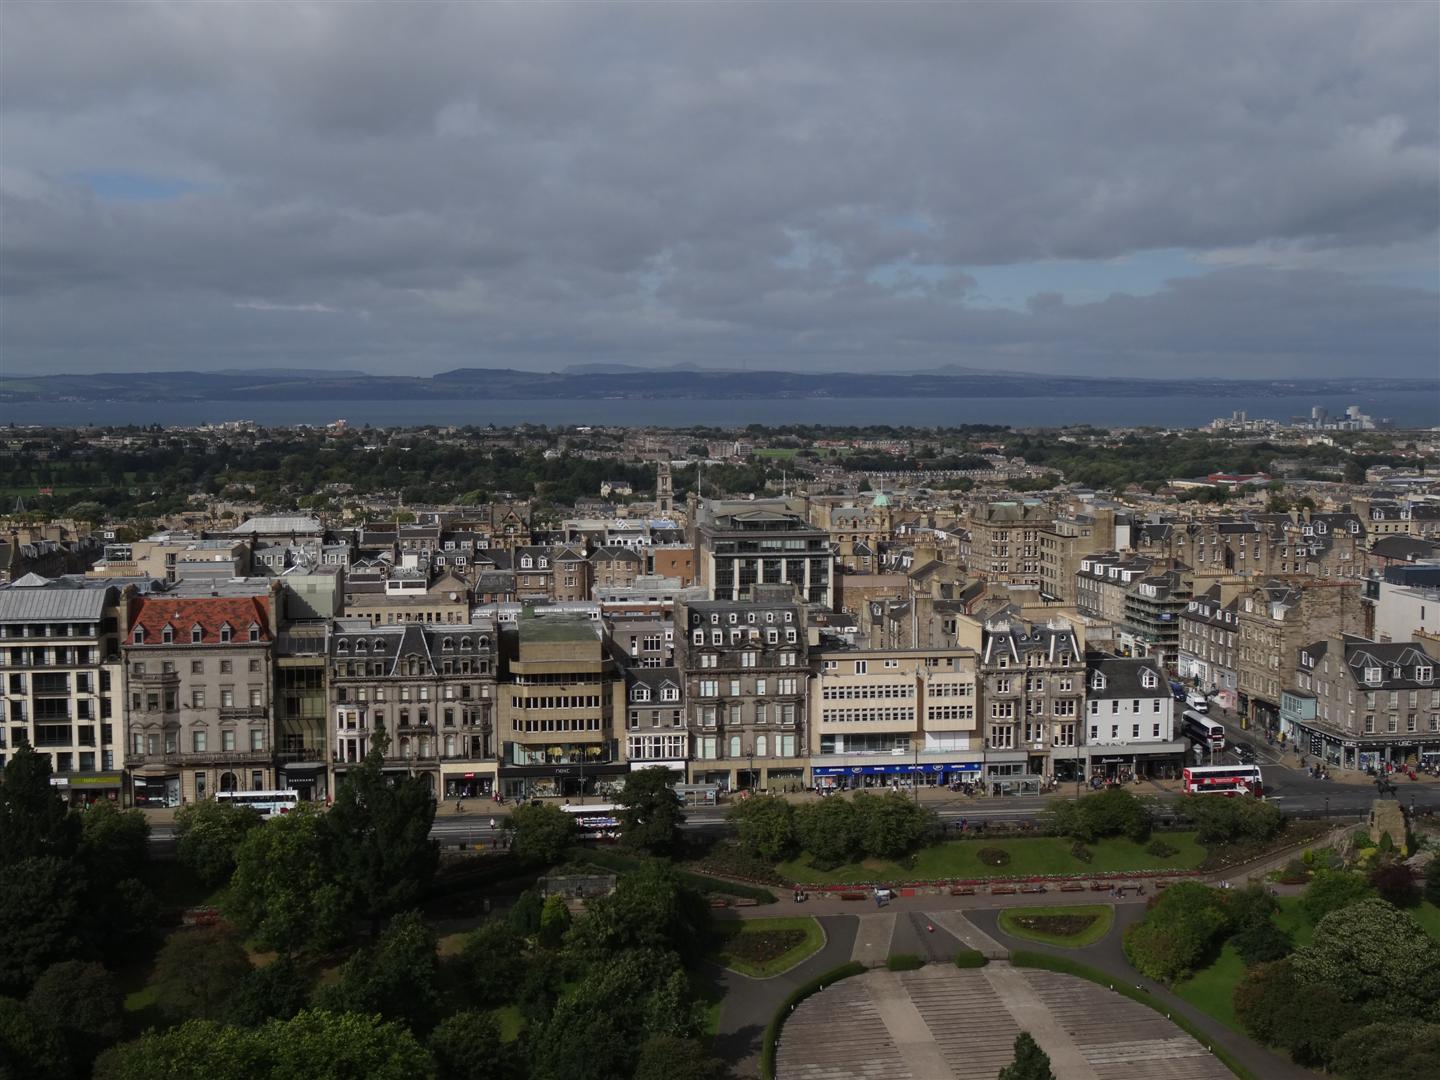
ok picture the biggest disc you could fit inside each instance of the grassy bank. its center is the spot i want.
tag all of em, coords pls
(1022, 923)
(762, 948)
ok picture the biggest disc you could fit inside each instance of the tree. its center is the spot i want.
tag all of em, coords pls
(315, 1045)
(765, 825)
(1113, 812)
(1224, 821)
(827, 830)
(284, 891)
(383, 849)
(1031, 1062)
(198, 974)
(554, 921)
(1432, 881)
(209, 835)
(1331, 890)
(393, 978)
(1371, 952)
(467, 1046)
(890, 826)
(276, 991)
(1395, 882)
(34, 820)
(114, 843)
(542, 834)
(40, 908)
(490, 965)
(651, 813)
(670, 1057)
(1263, 999)
(30, 1045)
(1398, 1050)
(83, 1002)
(1185, 925)
(650, 909)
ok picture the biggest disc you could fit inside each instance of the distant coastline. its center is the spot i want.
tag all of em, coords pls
(1405, 408)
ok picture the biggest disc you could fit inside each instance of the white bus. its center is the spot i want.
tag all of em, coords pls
(1224, 780)
(265, 803)
(598, 821)
(1203, 730)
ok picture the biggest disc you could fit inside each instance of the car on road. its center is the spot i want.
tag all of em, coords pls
(1197, 701)
(1244, 754)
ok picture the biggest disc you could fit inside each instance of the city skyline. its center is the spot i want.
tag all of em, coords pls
(1128, 189)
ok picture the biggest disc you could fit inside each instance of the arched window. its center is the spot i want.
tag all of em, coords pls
(342, 646)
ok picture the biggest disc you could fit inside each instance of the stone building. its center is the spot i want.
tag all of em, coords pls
(1374, 703)
(745, 666)
(1032, 690)
(199, 678)
(431, 688)
(1005, 540)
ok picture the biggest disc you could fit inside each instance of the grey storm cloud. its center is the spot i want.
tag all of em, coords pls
(424, 186)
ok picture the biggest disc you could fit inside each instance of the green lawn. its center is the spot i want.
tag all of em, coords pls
(1428, 916)
(728, 932)
(1291, 917)
(1212, 990)
(1104, 919)
(1028, 857)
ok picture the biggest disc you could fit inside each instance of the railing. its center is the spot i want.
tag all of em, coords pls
(243, 712)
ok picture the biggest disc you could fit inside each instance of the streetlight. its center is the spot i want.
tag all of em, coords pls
(915, 775)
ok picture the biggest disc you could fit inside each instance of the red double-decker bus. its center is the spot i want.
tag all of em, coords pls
(1224, 780)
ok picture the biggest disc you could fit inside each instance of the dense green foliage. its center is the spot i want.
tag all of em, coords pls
(540, 834)
(765, 826)
(394, 978)
(1331, 890)
(651, 813)
(1182, 930)
(837, 830)
(208, 835)
(1114, 812)
(1031, 1063)
(1225, 821)
(287, 892)
(199, 973)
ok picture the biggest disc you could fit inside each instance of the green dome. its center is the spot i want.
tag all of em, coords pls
(881, 499)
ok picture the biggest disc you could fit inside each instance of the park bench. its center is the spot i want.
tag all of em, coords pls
(1072, 886)
(1099, 886)
(1033, 887)
(1002, 890)
(962, 890)
(854, 896)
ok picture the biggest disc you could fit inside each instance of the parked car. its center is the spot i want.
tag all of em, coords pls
(1197, 701)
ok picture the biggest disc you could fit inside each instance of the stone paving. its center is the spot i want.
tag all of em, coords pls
(944, 1023)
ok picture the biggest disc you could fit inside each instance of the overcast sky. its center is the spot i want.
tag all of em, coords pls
(1151, 188)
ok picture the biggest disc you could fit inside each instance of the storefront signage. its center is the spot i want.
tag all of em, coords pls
(879, 770)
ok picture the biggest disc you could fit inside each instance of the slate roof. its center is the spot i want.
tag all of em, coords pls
(1122, 678)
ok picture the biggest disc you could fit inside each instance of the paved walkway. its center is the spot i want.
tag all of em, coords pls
(942, 1023)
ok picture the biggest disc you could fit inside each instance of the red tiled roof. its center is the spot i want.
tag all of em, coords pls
(209, 612)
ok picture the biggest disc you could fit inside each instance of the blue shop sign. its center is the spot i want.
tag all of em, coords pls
(878, 770)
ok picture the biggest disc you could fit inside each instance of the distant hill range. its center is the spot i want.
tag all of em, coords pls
(590, 382)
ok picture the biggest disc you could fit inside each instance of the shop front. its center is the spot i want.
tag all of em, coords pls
(305, 778)
(468, 781)
(82, 789)
(562, 781)
(893, 774)
(156, 792)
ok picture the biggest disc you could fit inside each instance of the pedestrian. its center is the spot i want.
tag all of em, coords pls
(492, 823)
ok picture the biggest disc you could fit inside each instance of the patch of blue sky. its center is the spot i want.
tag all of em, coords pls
(136, 187)
(1080, 281)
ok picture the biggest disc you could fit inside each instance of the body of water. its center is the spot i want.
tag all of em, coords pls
(1406, 410)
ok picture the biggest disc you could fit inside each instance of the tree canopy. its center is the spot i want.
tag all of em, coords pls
(651, 814)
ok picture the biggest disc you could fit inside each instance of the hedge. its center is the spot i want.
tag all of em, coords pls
(904, 961)
(971, 958)
(1064, 965)
(799, 994)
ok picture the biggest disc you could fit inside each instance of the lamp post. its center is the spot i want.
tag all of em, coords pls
(915, 775)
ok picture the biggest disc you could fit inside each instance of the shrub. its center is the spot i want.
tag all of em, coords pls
(1332, 890)
(1081, 852)
(765, 825)
(891, 826)
(904, 962)
(1225, 821)
(1387, 845)
(1261, 942)
(1361, 840)
(1115, 812)
(1432, 881)
(1395, 882)
(993, 856)
(970, 958)
(828, 830)
(1182, 929)
(1295, 872)
(1160, 849)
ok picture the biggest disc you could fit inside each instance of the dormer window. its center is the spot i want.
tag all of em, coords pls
(360, 645)
(640, 693)
(379, 644)
(1372, 674)
(167, 634)
(669, 693)
(1097, 681)
(197, 634)
(714, 618)
(139, 636)
(342, 646)
(544, 563)
(1147, 680)
(526, 562)
(734, 618)
(447, 645)
(699, 637)
(225, 633)
(254, 632)
(1423, 674)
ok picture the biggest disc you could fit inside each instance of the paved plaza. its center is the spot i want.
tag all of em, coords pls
(944, 1023)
